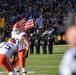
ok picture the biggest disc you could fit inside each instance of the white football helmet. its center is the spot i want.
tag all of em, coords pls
(16, 28)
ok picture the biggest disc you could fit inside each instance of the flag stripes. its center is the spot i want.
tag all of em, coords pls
(26, 22)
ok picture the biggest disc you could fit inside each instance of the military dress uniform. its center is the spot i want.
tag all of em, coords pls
(44, 44)
(37, 43)
(50, 43)
(31, 39)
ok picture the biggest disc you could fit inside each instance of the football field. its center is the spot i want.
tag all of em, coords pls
(43, 64)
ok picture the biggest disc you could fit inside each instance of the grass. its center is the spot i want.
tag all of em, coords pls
(43, 64)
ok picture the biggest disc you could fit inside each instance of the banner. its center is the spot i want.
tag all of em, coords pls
(1, 22)
(39, 21)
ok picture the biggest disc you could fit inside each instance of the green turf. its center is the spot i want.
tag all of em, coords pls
(44, 64)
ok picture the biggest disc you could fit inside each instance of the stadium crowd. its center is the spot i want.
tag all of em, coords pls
(54, 13)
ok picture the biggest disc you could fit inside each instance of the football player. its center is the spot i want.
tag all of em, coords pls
(23, 44)
(6, 51)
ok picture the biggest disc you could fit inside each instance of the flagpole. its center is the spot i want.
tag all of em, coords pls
(2, 23)
(3, 32)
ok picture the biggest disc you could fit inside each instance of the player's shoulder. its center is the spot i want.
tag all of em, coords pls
(2, 43)
(68, 55)
(23, 33)
(12, 32)
(70, 52)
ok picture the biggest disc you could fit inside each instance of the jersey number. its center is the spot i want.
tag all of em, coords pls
(7, 46)
(17, 41)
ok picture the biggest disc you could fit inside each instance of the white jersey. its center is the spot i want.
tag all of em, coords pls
(19, 39)
(68, 63)
(7, 48)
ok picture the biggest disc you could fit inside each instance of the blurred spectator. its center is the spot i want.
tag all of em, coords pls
(59, 39)
(63, 39)
(68, 63)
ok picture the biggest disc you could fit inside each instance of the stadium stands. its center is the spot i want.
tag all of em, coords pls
(54, 12)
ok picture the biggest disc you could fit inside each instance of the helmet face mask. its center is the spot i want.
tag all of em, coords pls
(16, 28)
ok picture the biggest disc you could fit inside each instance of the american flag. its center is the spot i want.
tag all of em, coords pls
(26, 23)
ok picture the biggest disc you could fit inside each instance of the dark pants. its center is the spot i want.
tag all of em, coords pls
(50, 49)
(31, 49)
(26, 54)
(64, 42)
(37, 49)
(44, 49)
(60, 42)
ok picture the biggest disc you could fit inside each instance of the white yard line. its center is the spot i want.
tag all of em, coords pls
(29, 72)
(43, 61)
(44, 66)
